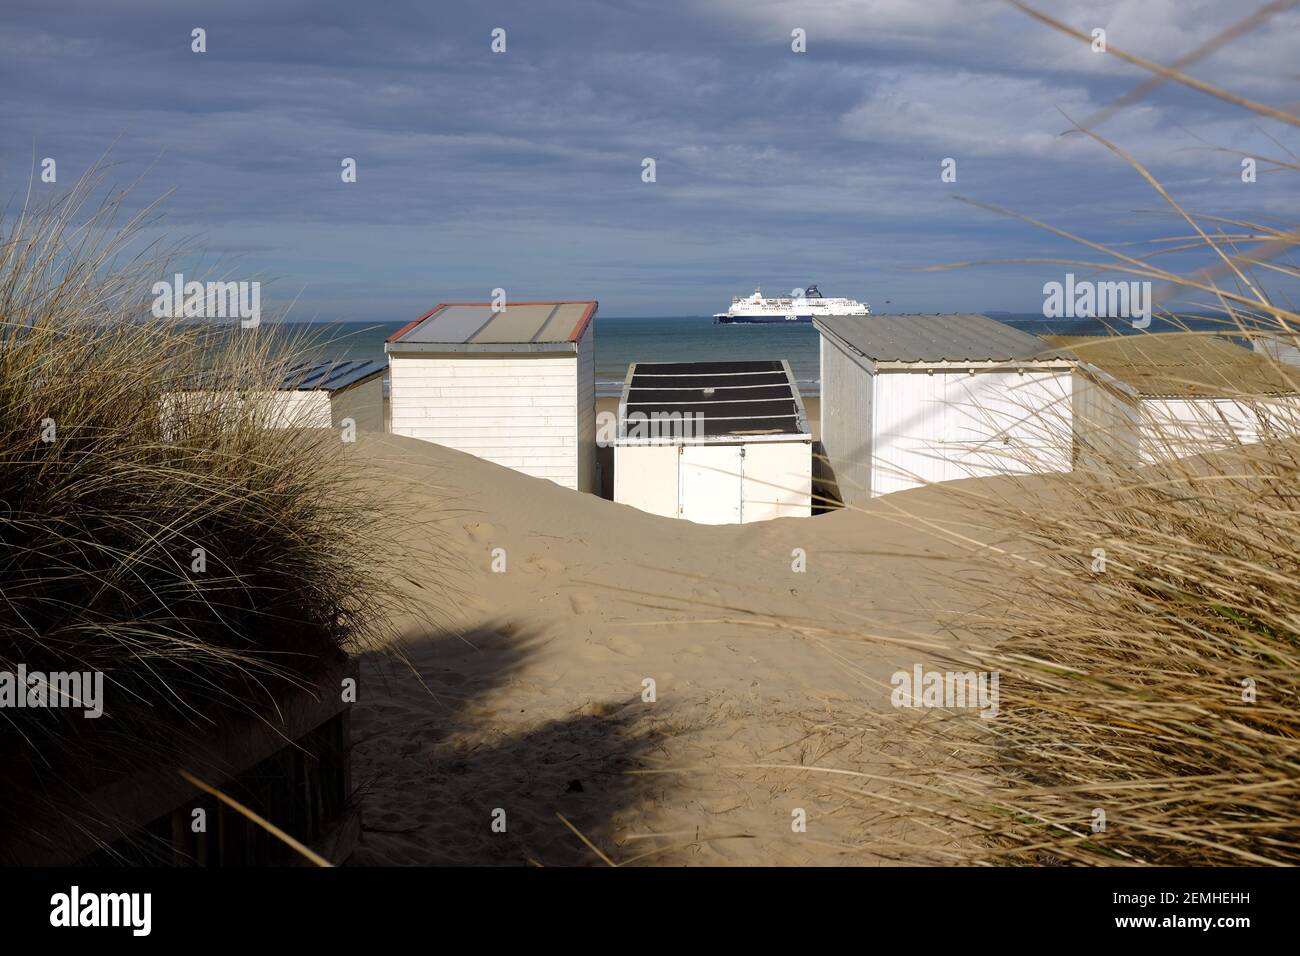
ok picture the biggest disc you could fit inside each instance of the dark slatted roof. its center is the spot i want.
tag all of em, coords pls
(330, 376)
(733, 399)
(955, 337)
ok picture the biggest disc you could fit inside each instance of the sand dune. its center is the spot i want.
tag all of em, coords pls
(530, 700)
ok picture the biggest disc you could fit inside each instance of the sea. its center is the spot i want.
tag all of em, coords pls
(621, 341)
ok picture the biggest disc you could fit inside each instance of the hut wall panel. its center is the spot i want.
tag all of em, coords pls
(556, 423)
(1280, 348)
(910, 422)
(948, 425)
(306, 409)
(523, 443)
(363, 403)
(711, 483)
(771, 480)
(777, 481)
(1105, 424)
(1178, 428)
(284, 409)
(645, 476)
(846, 422)
(1007, 423)
(520, 412)
(587, 409)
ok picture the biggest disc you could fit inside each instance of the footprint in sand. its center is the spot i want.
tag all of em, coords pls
(479, 531)
(581, 603)
(538, 562)
(624, 645)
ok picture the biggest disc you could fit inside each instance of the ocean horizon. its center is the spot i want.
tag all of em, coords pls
(622, 341)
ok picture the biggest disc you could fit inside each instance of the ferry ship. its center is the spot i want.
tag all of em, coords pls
(795, 308)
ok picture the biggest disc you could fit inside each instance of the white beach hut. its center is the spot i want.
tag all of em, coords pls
(326, 394)
(713, 442)
(1281, 347)
(1158, 396)
(514, 385)
(310, 395)
(908, 400)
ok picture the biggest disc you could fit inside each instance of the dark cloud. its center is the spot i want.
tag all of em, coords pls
(522, 170)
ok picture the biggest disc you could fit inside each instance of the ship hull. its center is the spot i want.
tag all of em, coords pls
(759, 319)
(724, 319)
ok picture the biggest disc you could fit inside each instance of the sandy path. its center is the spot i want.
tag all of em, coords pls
(536, 707)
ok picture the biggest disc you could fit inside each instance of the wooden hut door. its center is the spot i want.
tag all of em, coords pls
(709, 483)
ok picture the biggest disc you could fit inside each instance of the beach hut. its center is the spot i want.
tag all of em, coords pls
(1158, 396)
(328, 393)
(1281, 347)
(908, 400)
(310, 395)
(512, 384)
(713, 442)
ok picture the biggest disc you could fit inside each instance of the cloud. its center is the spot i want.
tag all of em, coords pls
(772, 166)
(964, 112)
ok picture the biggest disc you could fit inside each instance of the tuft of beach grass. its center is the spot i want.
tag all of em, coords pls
(1145, 622)
(163, 521)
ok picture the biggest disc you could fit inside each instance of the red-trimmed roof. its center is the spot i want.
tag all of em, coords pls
(583, 321)
(413, 323)
(579, 327)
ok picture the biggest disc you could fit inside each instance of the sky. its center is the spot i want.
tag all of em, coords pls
(523, 169)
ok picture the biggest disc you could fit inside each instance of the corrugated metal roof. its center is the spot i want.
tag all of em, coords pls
(468, 324)
(1183, 364)
(724, 400)
(954, 337)
(330, 376)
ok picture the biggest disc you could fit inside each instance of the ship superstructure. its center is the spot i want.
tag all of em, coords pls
(801, 306)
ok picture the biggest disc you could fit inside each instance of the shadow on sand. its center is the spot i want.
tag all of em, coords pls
(437, 761)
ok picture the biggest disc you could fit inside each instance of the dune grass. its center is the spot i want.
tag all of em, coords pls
(1145, 620)
(1145, 635)
(205, 563)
